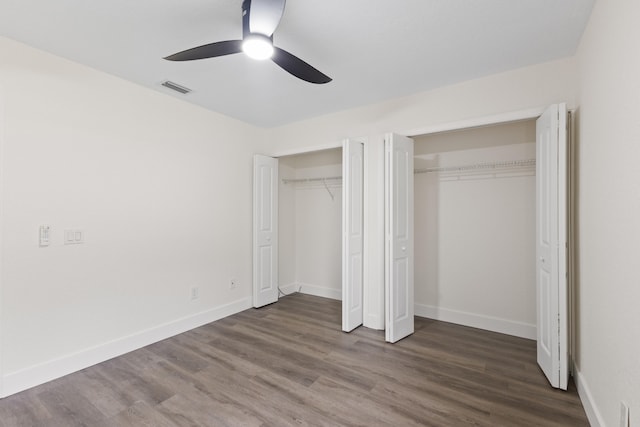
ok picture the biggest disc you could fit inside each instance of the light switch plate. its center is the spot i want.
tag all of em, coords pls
(45, 235)
(73, 237)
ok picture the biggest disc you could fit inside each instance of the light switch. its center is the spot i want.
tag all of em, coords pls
(45, 233)
(73, 237)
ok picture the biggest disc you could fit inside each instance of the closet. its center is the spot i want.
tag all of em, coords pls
(488, 237)
(475, 227)
(310, 223)
(308, 231)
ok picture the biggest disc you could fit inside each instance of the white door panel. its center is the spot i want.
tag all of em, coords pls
(352, 234)
(399, 301)
(551, 240)
(265, 230)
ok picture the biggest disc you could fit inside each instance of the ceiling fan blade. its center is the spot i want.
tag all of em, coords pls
(265, 15)
(210, 50)
(296, 66)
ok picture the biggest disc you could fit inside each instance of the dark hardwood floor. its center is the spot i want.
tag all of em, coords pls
(289, 364)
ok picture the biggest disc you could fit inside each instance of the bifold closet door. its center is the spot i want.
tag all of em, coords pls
(399, 303)
(352, 234)
(551, 245)
(265, 230)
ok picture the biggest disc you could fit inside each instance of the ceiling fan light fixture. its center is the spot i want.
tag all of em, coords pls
(257, 46)
(260, 18)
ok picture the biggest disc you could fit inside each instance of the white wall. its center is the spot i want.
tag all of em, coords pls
(287, 254)
(162, 190)
(608, 341)
(149, 179)
(475, 230)
(316, 225)
(528, 88)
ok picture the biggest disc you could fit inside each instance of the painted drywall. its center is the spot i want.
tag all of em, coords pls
(162, 191)
(314, 218)
(608, 226)
(159, 222)
(475, 230)
(287, 255)
(527, 88)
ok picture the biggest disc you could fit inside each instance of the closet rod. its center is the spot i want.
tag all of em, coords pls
(320, 179)
(481, 166)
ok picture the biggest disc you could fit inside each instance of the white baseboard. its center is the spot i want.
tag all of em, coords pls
(503, 326)
(319, 291)
(291, 288)
(23, 379)
(593, 414)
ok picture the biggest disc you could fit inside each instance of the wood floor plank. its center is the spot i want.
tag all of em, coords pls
(137, 415)
(23, 409)
(289, 364)
(67, 405)
(411, 387)
(130, 384)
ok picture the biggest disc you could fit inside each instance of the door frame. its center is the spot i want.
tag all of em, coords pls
(365, 217)
(2, 128)
(514, 116)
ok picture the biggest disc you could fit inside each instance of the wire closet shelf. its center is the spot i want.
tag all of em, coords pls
(475, 167)
(311, 180)
(483, 166)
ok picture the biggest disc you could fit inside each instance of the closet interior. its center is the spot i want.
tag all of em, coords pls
(310, 223)
(475, 224)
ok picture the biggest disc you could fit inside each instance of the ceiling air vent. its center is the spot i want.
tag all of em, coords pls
(174, 86)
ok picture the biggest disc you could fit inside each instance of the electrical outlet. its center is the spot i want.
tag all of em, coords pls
(194, 293)
(233, 284)
(624, 415)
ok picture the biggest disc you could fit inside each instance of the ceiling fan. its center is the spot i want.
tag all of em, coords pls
(260, 18)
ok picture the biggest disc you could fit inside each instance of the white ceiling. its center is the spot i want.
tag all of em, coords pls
(373, 49)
